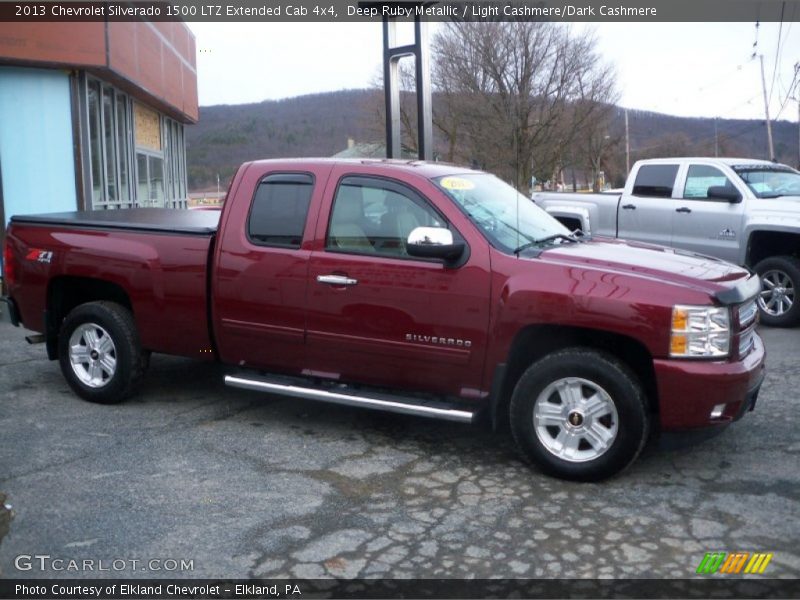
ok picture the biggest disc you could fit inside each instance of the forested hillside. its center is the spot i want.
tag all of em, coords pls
(319, 125)
(316, 125)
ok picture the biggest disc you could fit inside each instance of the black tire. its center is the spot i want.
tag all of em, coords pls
(617, 384)
(787, 267)
(99, 319)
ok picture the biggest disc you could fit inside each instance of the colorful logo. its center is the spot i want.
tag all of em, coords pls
(734, 563)
(42, 256)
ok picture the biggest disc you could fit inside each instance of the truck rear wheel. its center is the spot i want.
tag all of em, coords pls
(579, 414)
(99, 352)
(778, 302)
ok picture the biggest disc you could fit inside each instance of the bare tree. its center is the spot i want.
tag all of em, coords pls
(525, 90)
(449, 110)
(597, 144)
(669, 144)
(516, 98)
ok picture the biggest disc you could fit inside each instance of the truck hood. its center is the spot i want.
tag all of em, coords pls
(786, 206)
(669, 265)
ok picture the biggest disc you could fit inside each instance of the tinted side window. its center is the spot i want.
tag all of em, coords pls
(375, 217)
(279, 210)
(700, 178)
(655, 180)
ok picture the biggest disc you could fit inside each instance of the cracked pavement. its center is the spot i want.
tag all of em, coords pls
(250, 485)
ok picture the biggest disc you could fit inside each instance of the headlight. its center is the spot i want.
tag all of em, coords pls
(700, 331)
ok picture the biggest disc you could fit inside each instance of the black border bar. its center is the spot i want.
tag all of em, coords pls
(714, 586)
(598, 11)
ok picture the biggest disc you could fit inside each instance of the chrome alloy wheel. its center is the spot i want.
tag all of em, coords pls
(92, 355)
(575, 419)
(777, 293)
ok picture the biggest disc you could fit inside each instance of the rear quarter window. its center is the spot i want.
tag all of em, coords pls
(279, 210)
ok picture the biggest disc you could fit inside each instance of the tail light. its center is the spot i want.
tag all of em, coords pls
(9, 268)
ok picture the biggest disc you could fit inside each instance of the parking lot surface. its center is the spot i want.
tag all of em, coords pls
(245, 485)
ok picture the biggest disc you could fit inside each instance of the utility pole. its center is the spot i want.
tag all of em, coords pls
(627, 146)
(797, 97)
(716, 139)
(766, 110)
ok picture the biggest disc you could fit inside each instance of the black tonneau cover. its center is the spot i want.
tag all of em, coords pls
(157, 220)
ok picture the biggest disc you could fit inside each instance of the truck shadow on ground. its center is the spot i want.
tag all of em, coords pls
(171, 379)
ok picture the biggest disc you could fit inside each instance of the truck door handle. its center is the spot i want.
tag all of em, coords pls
(336, 280)
(683, 209)
(629, 207)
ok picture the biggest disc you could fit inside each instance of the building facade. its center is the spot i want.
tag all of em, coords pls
(92, 115)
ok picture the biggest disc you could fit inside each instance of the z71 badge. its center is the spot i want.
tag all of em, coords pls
(42, 256)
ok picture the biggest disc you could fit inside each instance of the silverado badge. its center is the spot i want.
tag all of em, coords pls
(439, 341)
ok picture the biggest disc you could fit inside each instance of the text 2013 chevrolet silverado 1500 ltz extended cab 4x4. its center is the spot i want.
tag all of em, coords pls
(738, 209)
(419, 288)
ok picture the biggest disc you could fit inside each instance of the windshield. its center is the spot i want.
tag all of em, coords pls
(770, 182)
(507, 218)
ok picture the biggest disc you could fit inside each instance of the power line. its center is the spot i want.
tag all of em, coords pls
(698, 141)
(749, 128)
(788, 31)
(735, 106)
(788, 92)
(777, 52)
(724, 77)
(745, 131)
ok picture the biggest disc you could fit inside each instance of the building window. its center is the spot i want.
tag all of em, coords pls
(108, 112)
(95, 147)
(123, 146)
(136, 156)
(150, 179)
(175, 157)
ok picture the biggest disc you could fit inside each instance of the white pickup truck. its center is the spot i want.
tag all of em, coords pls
(744, 211)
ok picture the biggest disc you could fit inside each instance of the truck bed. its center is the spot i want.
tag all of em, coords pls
(155, 220)
(595, 214)
(157, 259)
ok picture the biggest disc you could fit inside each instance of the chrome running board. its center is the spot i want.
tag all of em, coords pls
(349, 397)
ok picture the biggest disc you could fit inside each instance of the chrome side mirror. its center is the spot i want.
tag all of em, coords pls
(433, 242)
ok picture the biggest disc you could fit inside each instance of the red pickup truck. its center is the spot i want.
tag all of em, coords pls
(412, 287)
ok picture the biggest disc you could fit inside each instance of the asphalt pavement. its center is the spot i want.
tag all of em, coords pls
(192, 479)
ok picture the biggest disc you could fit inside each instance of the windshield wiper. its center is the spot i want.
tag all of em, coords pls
(545, 240)
(558, 236)
(524, 247)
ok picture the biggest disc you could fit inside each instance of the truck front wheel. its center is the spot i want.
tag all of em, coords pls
(780, 281)
(579, 414)
(99, 352)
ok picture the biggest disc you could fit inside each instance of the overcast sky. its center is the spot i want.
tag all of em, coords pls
(689, 69)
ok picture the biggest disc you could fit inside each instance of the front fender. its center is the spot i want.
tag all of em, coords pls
(787, 226)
